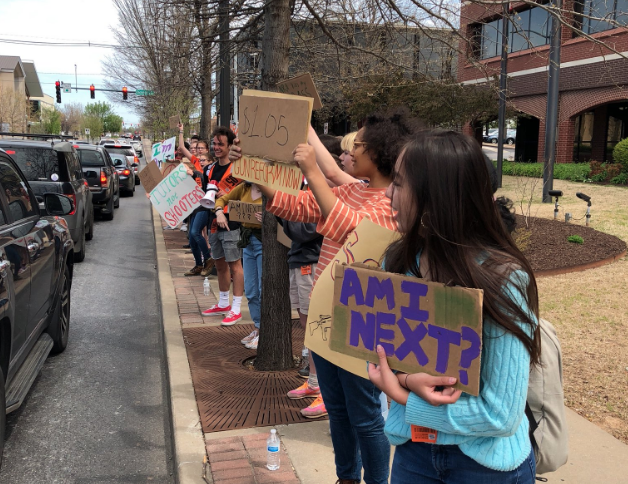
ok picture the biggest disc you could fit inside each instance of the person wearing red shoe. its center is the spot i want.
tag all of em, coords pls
(224, 237)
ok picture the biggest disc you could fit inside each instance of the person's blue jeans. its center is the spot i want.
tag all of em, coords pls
(252, 265)
(198, 244)
(422, 463)
(356, 422)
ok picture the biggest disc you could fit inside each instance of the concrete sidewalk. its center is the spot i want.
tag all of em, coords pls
(238, 456)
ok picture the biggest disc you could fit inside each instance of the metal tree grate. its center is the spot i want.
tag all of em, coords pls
(232, 396)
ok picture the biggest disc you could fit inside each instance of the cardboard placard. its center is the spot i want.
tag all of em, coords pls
(273, 124)
(366, 244)
(174, 121)
(423, 326)
(302, 85)
(150, 176)
(280, 176)
(244, 212)
(167, 149)
(157, 153)
(167, 167)
(176, 196)
(282, 238)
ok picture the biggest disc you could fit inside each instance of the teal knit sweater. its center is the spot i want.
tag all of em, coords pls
(491, 428)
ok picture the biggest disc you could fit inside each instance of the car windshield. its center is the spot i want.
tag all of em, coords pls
(90, 158)
(118, 160)
(36, 164)
(122, 151)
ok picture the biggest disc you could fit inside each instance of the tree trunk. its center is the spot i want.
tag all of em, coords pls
(274, 352)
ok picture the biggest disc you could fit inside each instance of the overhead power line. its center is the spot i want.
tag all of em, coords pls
(67, 44)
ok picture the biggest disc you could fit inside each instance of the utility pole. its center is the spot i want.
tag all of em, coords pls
(503, 84)
(551, 115)
(225, 66)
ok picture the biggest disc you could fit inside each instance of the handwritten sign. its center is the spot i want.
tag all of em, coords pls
(273, 124)
(176, 196)
(302, 85)
(167, 167)
(423, 326)
(157, 153)
(167, 149)
(244, 212)
(365, 244)
(174, 121)
(150, 176)
(280, 176)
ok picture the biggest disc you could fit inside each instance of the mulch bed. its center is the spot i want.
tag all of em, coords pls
(549, 249)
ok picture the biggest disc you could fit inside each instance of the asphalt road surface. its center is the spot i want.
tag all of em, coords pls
(99, 412)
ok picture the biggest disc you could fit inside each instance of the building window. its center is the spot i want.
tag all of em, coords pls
(582, 147)
(528, 28)
(594, 16)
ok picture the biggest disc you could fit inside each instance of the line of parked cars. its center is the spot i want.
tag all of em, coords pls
(49, 192)
(493, 136)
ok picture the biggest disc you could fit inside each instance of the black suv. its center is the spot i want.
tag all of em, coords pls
(101, 177)
(36, 266)
(55, 167)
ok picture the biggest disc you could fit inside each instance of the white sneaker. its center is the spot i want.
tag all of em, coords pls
(252, 345)
(184, 227)
(249, 338)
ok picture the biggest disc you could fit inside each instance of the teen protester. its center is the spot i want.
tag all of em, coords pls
(452, 233)
(198, 219)
(353, 405)
(251, 242)
(223, 240)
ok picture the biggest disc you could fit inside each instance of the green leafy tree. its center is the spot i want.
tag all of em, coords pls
(94, 124)
(51, 121)
(112, 123)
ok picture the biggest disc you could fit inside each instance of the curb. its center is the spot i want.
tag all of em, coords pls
(188, 442)
(581, 267)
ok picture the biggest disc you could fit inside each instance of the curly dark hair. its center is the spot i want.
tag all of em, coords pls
(224, 131)
(385, 134)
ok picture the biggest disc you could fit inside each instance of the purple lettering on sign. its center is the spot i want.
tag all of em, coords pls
(351, 287)
(364, 329)
(469, 354)
(381, 334)
(412, 342)
(445, 337)
(380, 290)
(412, 311)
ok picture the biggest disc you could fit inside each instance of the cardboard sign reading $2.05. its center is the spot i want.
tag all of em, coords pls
(271, 127)
(423, 326)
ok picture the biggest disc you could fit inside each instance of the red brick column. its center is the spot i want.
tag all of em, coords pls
(564, 148)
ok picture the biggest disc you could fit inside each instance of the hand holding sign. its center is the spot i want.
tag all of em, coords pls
(305, 158)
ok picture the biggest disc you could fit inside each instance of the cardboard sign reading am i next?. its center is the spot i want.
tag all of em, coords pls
(423, 326)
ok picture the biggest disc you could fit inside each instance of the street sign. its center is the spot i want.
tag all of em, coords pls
(144, 92)
(66, 86)
(86, 131)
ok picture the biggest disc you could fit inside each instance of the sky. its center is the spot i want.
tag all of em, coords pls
(54, 21)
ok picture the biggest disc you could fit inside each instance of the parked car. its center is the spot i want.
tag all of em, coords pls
(102, 179)
(36, 267)
(125, 172)
(56, 168)
(128, 151)
(492, 136)
(137, 137)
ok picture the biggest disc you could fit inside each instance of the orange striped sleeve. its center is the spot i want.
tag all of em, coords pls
(299, 208)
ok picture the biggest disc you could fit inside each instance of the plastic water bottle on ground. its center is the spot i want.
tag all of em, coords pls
(272, 444)
(206, 289)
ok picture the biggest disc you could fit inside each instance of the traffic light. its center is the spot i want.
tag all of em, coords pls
(125, 93)
(58, 89)
(92, 91)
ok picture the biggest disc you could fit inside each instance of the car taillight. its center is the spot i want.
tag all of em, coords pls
(72, 196)
(126, 172)
(136, 160)
(10, 152)
(103, 178)
(86, 184)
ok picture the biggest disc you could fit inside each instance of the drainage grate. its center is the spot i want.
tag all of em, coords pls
(231, 396)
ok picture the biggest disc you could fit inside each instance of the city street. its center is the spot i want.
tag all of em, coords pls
(99, 412)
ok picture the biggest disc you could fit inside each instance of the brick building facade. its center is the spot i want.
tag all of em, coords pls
(593, 104)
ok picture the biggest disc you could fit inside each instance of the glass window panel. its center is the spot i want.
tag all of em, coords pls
(598, 10)
(491, 35)
(520, 26)
(539, 26)
(621, 12)
(586, 127)
(614, 129)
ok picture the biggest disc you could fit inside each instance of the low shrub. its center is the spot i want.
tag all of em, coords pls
(620, 154)
(621, 179)
(562, 171)
(575, 239)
